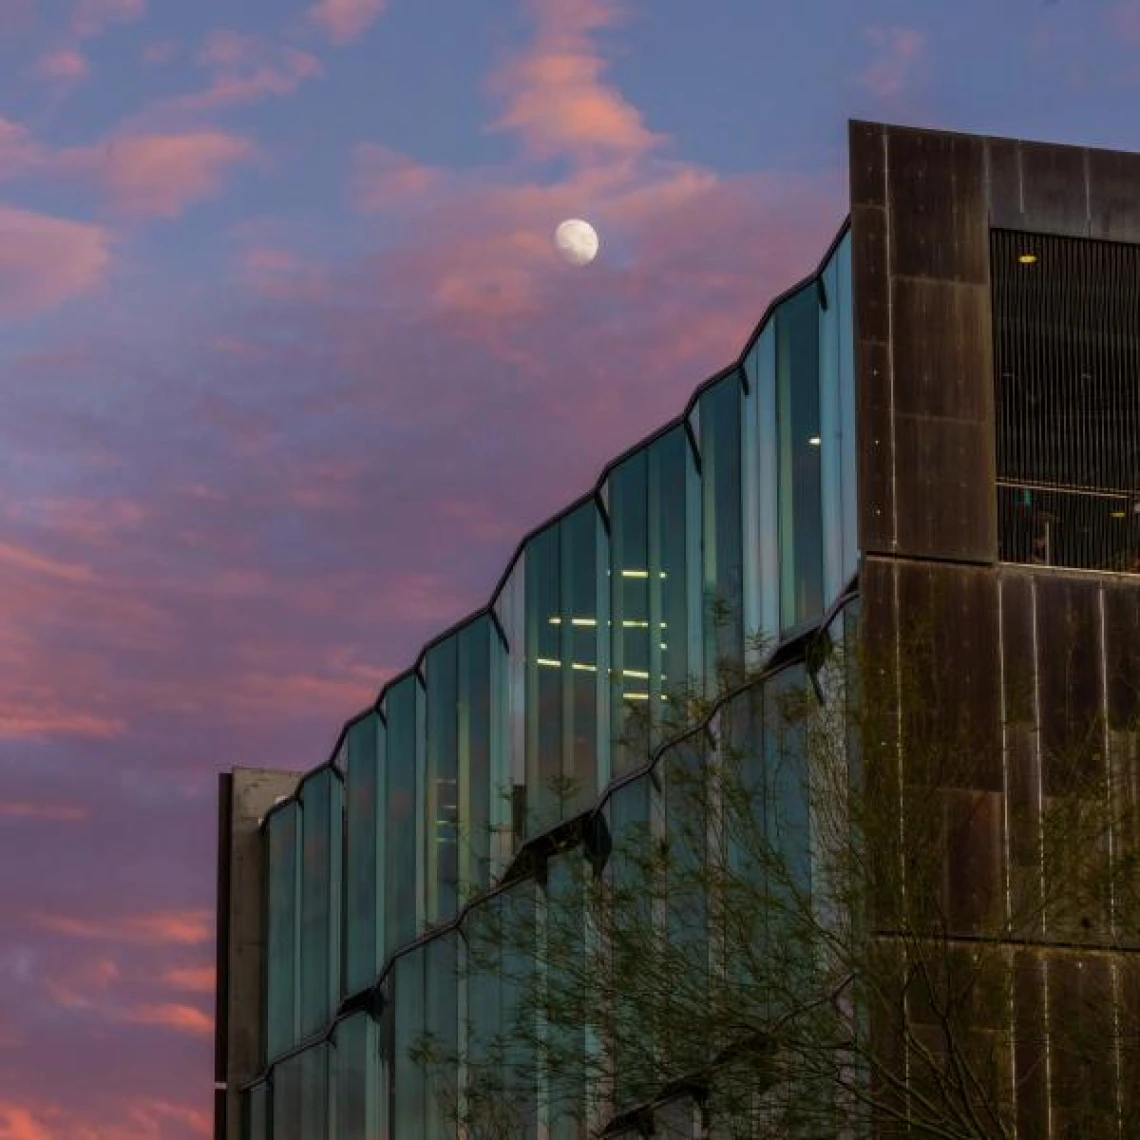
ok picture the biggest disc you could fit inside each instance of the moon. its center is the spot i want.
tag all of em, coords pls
(577, 241)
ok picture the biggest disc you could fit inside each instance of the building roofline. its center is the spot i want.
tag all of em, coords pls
(594, 494)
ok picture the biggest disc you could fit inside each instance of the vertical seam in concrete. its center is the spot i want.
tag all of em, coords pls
(1043, 965)
(1006, 844)
(888, 274)
(1113, 967)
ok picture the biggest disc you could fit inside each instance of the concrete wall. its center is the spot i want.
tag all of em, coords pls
(244, 798)
(1017, 662)
(922, 206)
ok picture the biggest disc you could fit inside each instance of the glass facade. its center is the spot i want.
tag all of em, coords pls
(700, 552)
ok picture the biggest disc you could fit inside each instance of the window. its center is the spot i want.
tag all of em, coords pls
(1067, 385)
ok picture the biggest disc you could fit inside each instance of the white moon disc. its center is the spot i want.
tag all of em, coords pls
(577, 241)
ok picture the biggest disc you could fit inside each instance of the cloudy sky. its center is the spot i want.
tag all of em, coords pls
(287, 364)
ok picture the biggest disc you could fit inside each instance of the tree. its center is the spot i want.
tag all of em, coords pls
(810, 918)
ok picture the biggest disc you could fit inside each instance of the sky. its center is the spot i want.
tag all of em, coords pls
(288, 364)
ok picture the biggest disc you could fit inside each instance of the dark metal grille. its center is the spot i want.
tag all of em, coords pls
(1067, 372)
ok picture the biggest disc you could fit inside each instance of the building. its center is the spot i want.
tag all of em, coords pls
(945, 419)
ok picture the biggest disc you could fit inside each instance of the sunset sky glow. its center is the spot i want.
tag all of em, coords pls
(289, 363)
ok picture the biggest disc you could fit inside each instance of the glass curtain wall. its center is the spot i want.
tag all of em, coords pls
(731, 529)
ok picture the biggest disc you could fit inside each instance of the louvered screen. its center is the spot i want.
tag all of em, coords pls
(1067, 372)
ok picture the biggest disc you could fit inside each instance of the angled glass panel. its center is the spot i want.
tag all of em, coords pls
(561, 932)
(719, 413)
(484, 762)
(510, 808)
(497, 1027)
(830, 433)
(287, 1100)
(282, 935)
(321, 823)
(760, 367)
(631, 925)
(441, 1028)
(481, 1028)
(516, 909)
(362, 873)
(799, 444)
(468, 783)
(403, 824)
(565, 610)
(360, 1108)
(788, 795)
(314, 1077)
(409, 1092)
(654, 591)
(256, 1108)
(441, 790)
(847, 417)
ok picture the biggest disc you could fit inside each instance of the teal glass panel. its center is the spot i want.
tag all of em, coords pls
(441, 851)
(509, 781)
(518, 971)
(631, 637)
(830, 434)
(313, 1067)
(257, 1124)
(760, 367)
(847, 417)
(403, 825)
(362, 873)
(482, 1021)
(654, 591)
(798, 425)
(321, 822)
(408, 1075)
(565, 666)
(356, 1081)
(287, 1100)
(742, 757)
(441, 1028)
(283, 915)
(630, 869)
(683, 773)
(719, 413)
(484, 772)
(563, 928)
(497, 1031)
(788, 811)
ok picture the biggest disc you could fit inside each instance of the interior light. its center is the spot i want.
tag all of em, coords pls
(1027, 258)
(1119, 514)
(815, 441)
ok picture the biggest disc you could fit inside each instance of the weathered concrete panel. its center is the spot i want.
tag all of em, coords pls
(252, 792)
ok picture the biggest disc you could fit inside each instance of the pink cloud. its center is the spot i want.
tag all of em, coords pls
(898, 51)
(273, 272)
(172, 1015)
(51, 813)
(383, 179)
(346, 20)
(555, 97)
(19, 151)
(245, 69)
(160, 51)
(162, 928)
(64, 64)
(200, 979)
(93, 16)
(81, 987)
(1123, 20)
(160, 175)
(130, 1118)
(45, 261)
